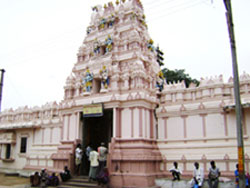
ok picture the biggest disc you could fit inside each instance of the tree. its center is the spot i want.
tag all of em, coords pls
(176, 75)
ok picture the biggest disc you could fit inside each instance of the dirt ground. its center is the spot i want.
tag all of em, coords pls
(12, 180)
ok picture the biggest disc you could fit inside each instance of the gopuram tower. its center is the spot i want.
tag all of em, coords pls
(112, 91)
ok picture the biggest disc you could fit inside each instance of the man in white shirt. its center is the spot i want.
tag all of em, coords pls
(198, 176)
(78, 158)
(93, 157)
(176, 171)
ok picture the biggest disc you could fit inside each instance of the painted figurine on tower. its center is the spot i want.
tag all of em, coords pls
(104, 77)
(97, 47)
(160, 81)
(87, 81)
(108, 44)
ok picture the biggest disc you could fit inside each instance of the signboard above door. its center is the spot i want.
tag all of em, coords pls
(93, 110)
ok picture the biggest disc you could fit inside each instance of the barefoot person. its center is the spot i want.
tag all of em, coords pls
(176, 171)
(78, 158)
(93, 157)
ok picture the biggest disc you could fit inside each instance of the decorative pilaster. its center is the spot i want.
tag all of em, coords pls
(224, 114)
(165, 127)
(62, 127)
(33, 133)
(68, 127)
(51, 134)
(132, 122)
(184, 126)
(118, 122)
(151, 123)
(204, 132)
(77, 127)
(43, 135)
(140, 123)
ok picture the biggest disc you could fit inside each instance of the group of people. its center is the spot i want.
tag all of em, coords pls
(213, 175)
(198, 175)
(43, 179)
(97, 163)
(97, 168)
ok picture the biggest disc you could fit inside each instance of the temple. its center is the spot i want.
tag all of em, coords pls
(116, 94)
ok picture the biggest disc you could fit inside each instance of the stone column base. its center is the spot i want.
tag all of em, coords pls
(133, 163)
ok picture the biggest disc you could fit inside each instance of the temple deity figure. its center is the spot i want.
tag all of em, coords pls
(111, 20)
(97, 48)
(108, 44)
(87, 81)
(142, 20)
(133, 16)
(102, 23)
(104, 77)
(89, 30)
(95, 8)
(160, 81)
(150, 45)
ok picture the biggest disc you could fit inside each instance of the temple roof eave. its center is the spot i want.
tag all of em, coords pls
(38, 123)
(23, 125)
(232, 106)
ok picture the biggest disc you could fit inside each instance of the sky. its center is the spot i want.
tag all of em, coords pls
(39, 40)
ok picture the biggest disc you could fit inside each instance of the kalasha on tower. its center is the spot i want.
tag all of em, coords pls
(117, 94)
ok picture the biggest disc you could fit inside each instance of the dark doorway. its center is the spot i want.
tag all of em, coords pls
(95, 131)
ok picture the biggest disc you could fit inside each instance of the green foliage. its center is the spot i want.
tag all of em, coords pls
(173, 76)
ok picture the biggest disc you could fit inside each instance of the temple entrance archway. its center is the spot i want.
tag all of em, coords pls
(95, 131)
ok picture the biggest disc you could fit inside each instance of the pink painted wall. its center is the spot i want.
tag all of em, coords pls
(197, 125)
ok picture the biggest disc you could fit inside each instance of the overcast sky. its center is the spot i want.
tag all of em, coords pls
(39, 40)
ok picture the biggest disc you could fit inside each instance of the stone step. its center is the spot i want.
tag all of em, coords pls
(65, 186)
(78, 181)
(72, 183)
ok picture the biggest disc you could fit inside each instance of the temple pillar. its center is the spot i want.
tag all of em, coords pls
(134, 158)
(133, 162)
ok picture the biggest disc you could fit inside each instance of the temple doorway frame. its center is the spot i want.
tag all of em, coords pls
(95, 130)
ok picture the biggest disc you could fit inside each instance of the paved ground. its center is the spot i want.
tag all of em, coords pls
(7, 181)
(12, 181)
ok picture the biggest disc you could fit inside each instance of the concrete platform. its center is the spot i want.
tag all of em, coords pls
(167, 183)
